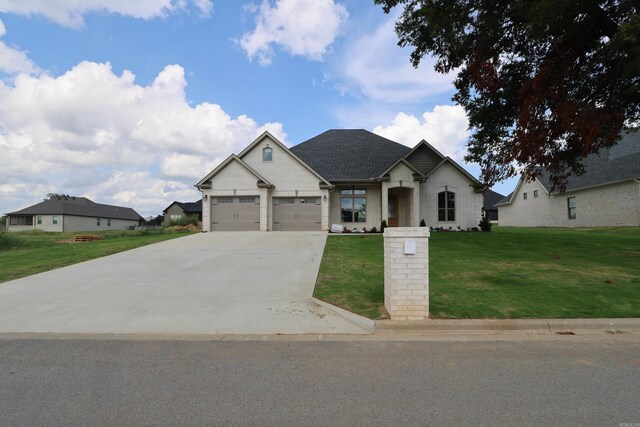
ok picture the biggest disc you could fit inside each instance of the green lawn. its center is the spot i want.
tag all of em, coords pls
(26, 253)
(508, 273)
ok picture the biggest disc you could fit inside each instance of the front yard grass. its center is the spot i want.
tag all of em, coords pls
(28, 252)
(507, 273)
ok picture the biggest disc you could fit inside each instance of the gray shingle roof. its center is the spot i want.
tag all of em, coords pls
(347, 154)
(78, 206)
(191, 207)
(618, 163)
(491, 198)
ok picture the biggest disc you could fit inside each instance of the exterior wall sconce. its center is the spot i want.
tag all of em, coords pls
(205, 197)
(324, 198)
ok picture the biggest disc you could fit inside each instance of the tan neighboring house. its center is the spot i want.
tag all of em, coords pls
(608, 194)
(349, 177)
(177, 210)
(72, 214)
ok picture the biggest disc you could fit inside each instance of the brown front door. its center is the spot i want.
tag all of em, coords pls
(393, 211)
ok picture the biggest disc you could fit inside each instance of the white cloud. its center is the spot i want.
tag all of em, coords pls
(102, 135)
(70, 13)
(445, 127)
(302, 27)
(14, 60)
(377, 67)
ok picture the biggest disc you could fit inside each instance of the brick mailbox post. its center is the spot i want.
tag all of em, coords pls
(406, 272)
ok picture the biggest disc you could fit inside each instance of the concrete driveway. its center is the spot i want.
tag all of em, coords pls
(213, 283)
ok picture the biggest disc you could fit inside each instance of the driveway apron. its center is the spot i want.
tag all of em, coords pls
(209, 283)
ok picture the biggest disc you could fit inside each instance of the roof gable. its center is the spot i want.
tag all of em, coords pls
(403, 161)
(260, 180)
(450, 161)
(424, 156)
(349, 154)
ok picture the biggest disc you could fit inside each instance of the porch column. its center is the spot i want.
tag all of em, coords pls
(415, 206)
(384, 196)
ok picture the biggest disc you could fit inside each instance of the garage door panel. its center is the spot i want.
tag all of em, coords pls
(296, 214)
(235, 213)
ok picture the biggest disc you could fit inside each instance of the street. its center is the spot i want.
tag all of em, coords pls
(291, 382)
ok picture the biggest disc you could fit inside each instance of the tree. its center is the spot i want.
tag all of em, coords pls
(544, 82)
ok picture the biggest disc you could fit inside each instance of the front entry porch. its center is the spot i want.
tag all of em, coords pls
(399, 201)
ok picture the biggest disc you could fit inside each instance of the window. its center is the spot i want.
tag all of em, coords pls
(98, 222)
(109, 223)
(54, 219)
(535, 194)
(353, 205)
(21, 220)
(39, 219)
(247, 199)
(446, 206)
(571, 207)
(175, 217)
(221, 200)
(267, 154)
(524, 196)
(284, 200)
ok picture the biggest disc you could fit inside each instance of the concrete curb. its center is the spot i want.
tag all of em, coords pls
(368, 325)
(549, 325)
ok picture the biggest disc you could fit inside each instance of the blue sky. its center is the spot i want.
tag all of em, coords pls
(130, 103)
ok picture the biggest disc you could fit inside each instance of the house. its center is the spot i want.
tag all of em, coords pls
(72, 214)
(351, 178)
(177, 210)
(608, 194)
(488, 202)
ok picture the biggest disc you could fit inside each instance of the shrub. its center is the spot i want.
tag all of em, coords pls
(422, 223)
(383, 225)
(10, 241)
(184, 220)
(485, 223)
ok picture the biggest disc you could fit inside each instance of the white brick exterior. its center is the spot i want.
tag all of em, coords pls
(610, 205)
(406, 277)
(402, 177)
(468, 202)
(289, 177)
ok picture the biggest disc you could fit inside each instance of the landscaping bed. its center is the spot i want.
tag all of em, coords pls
(28, 252)
(507, 273)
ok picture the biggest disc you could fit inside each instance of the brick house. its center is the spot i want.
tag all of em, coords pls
(349, 177)
(608, 194)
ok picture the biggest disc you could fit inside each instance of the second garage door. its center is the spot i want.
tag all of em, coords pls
(296, 214)
(235, 213)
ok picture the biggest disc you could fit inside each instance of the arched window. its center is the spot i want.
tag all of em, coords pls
(446, 206)
(267, 154)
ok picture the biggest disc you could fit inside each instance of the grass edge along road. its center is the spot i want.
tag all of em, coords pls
(507, 273)
(29, 252)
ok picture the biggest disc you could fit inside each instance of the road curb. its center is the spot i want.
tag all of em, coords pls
(549, 325)
(368, 325)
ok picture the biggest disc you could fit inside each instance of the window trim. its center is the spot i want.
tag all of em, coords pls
(353, 193)
(572, 209)
(266, 150)
(447, 210)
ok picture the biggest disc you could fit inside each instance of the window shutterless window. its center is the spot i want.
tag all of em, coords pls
(108, 223)
(98, 222)
(446, 206)
(524, 196)
(535, 194)
(54, 219)
(571, 207)
(353, 205)
(267, 154)
(39, 219)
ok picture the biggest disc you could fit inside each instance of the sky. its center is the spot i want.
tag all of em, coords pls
(133, 102)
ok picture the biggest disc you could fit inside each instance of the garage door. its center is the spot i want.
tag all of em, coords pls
(296, 214)
(235, 213)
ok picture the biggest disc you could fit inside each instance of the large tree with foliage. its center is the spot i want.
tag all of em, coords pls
(544, 82)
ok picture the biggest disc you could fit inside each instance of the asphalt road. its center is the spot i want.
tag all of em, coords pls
(119, 383)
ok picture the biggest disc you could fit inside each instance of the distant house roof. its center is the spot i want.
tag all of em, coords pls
(78, 206)
(491, 198)
(618, 163)
(187, 207)
(349, 154)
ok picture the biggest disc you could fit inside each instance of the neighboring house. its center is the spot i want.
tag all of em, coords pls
(608, 194)
(489, 200)
(177, 210)
(72, 214)
(352, 178)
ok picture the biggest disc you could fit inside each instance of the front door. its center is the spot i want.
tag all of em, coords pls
(393, 211)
